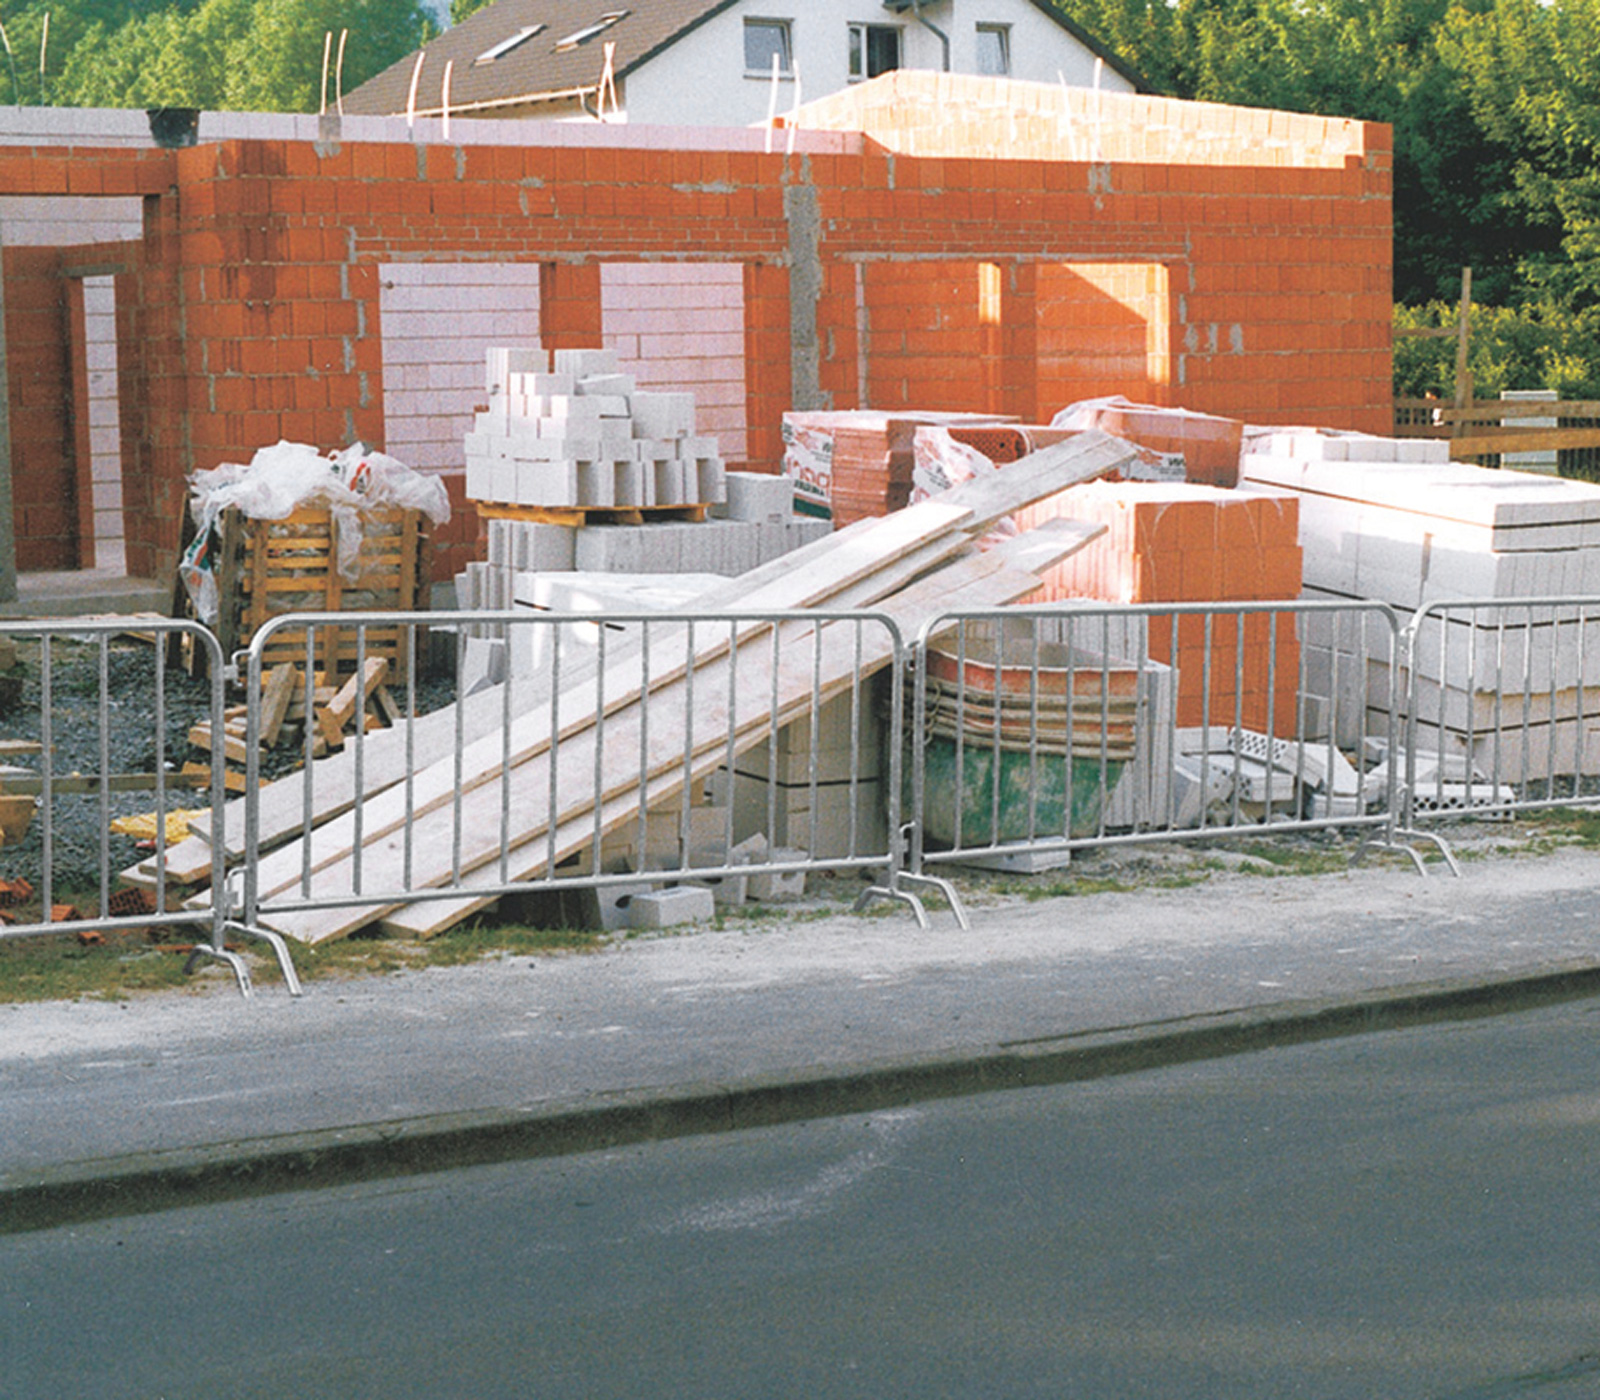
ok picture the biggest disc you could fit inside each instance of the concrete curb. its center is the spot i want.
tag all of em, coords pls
(141, 1183)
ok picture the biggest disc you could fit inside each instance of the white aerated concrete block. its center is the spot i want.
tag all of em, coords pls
(503, 361)
(582, 363)
(658, 414)
(617, 386)
(683, 904)
(758, 496)
(597, 484)
(711, 480)
(772, 886)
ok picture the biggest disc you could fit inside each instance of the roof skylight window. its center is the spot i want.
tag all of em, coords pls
(582, 36)
(505, 46)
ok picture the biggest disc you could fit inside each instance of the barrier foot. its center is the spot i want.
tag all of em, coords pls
(280, 949)
(1438, 843)
(892, 893)
(241, 969)
(895, 890)
(1390, 843)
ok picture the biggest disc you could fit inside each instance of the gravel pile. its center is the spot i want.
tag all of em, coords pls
(125, 743)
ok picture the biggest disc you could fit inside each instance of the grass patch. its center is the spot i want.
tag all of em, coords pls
(58, 967)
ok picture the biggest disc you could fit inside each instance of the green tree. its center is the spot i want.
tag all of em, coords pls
(238, 55)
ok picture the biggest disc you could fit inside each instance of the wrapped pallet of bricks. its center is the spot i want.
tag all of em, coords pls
(852, 465)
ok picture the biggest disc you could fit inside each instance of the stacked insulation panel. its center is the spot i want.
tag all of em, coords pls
(564, 429)
(1395, 521)
(1181, 542)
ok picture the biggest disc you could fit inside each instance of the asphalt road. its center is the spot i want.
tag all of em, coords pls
(1408, 1214)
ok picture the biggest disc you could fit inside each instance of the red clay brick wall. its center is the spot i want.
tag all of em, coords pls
(38, 361)
(1261, 242)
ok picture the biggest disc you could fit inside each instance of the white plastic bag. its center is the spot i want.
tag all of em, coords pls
(281, 479)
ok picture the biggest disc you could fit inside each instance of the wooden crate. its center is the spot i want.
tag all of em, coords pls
(266, 568)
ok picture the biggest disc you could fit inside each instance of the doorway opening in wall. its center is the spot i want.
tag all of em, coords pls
(97, 428)
(69, 497)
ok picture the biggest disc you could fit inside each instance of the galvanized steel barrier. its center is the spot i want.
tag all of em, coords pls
(718, 727)
(73, 698)
(1503, 707)
(1037, 731)
(744, 748)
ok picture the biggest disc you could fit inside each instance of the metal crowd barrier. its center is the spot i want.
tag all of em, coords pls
(77, 690)
(1502, 709)
(1037, 731)
(760, 760)
(790, 746)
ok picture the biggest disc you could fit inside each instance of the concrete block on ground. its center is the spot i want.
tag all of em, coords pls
(682, 904)
(483, 665)
(775, 886)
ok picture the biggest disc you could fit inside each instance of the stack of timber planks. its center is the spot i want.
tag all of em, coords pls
(528, 791)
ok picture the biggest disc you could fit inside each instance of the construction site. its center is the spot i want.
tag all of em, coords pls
(959, 473)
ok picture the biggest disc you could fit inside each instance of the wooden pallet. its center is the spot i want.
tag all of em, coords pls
(266, 568)
(577, 516)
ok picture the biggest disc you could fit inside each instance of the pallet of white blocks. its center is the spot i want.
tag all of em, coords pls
(1395, 521)
(566, 433)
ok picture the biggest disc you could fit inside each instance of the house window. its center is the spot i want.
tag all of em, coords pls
(765, 40)
(994, 50)
(874, 49)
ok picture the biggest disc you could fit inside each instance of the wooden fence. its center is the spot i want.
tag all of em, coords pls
(1485, 430)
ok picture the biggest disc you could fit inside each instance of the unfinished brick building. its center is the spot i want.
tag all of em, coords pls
(928, 241)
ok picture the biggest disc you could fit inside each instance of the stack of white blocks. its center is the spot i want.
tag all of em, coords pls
(1395, 521)
(567, 429)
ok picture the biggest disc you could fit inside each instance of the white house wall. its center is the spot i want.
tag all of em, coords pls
(701, 81)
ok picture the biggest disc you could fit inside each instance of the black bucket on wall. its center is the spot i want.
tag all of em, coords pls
(174, 127)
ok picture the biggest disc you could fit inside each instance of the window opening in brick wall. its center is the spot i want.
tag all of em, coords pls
(437, 321)
(1102, 328)
(680, 326)
(764, 40)
(874, 49)
(994, 50)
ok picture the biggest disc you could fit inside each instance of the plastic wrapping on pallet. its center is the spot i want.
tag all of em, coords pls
(1208, 445)
(287, 477)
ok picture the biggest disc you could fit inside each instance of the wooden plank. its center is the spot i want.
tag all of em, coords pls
(910, 546)
(1040, 474)
(1036, 550)
(1524, 440)
(672, 757)
(277, 690)
(655, 738)
(32, 784)
(353, 695)
(234, 749)
(532, 732)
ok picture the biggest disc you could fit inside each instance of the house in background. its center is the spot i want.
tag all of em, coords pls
(710, 62)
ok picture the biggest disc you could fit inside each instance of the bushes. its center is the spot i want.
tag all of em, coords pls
(1539, 345)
